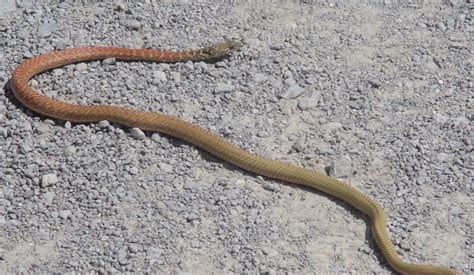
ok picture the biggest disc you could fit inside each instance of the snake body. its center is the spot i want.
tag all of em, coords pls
(196, 135)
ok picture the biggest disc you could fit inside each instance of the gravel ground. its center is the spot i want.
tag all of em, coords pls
(380, 95)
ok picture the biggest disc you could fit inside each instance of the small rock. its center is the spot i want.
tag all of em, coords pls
(133, 170)
(27, 54)
(46, 29)
(122, 256)
(441, 157)
(121, 7)
(258, 78)
(48, 198)
(399, 201)
(60, 45)
(166, 168)
(309, 102)
(153, 253)
(191, 217)
(137, 133)
(289, 81)
(263, 134)
(224, 88)
(64, 214)
(28, 194)
(441, 26)
(270, 187)
(176, 77)
(81, 67)
(159, 76)
(133, 25)
(189, 185)
(299, 145)
(48, 180)
(109, 61)
(276, 47)
(58, 72)
(341, 167)
(374, 83)
(70, 150)
(293, 91)
(103, 124)
(133, 248)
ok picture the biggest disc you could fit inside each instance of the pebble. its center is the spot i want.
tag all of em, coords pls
(64, 214)
(122, 256)
(109, 61)
(81, 67)
(341, 168)
(293, 91)
(103, 124)
(137, 133)
(133, 25)
(309, 102)
(166, 168)
(441, 157)
(259, 78)
(58, 72)
(441, 26)
(159, 76)
(299, 145)
(153, 253)
(133, 170)
(224, 88)
(49, 180)
(46, 29)
(48, 198)
(27, 54)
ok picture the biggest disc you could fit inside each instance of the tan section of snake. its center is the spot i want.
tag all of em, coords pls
(196, 135)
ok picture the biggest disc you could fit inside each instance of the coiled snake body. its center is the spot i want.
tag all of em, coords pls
(198, 136)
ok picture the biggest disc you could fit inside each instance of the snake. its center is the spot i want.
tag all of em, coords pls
(194, 134)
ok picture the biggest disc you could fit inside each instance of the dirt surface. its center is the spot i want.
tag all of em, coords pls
(377, 94)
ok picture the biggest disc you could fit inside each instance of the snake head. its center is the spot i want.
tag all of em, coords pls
(221, 49)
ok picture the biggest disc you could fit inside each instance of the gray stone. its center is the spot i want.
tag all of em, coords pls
(341, 168)
(154, 253)
(224, 88)
(309, 102)
(299, 145)
(258, 78)
(441, 26)
(122, 256)
(64, 214)
(81, 67)
(159, 76)
(133, 170)
(58, 72)
(293, 91)
(48, 180)
(133, 25)
(103, 124)
(48, 198)
(137, 133)
(46, 29)
(109, 61)
(166, 168)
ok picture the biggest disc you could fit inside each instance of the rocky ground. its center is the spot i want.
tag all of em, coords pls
(378, 94)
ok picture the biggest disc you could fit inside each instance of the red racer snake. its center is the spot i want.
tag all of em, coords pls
(196, 135)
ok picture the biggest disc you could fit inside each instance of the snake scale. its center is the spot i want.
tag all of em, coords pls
(196, 135)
